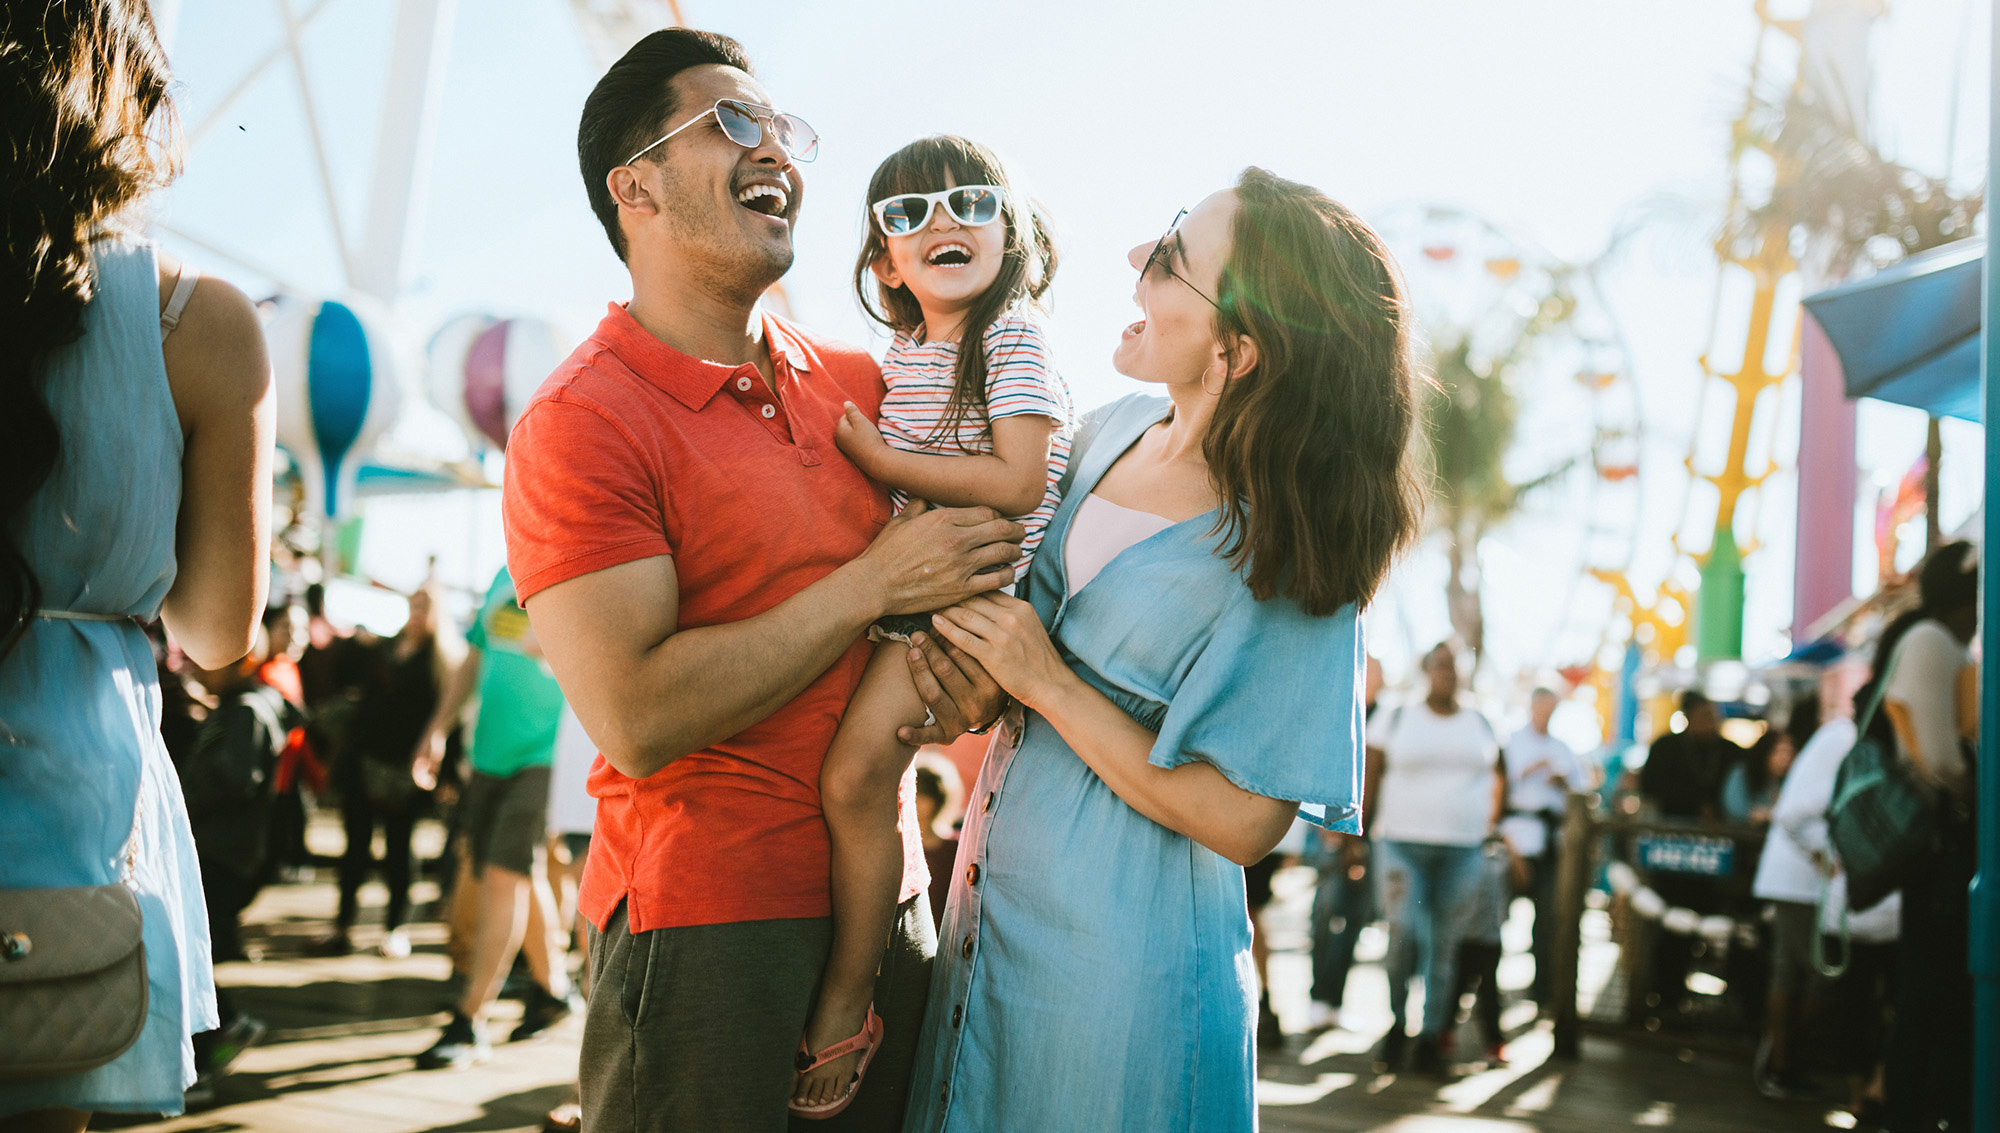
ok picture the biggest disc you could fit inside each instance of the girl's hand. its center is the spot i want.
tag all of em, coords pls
(1007, 639)
(858, 437)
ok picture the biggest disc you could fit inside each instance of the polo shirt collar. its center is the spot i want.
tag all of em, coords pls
(692, 381)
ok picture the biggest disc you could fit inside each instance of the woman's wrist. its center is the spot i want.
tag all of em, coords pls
(1051, 699)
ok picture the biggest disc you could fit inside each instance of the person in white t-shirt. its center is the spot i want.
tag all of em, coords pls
(1541, 771)
(1434, 797)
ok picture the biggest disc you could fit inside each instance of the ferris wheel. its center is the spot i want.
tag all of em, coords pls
(1499, 300)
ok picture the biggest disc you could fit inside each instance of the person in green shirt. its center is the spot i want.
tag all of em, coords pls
(504, 822)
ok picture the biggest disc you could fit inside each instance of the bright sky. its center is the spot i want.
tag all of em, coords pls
(1555, 118)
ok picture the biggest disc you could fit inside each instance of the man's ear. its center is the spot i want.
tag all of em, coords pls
(885, 271)
(629, 190)
(1243, 358)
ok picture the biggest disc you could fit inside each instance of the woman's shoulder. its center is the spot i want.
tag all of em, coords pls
(1130, 407)
(215, 355)
(1931, 637)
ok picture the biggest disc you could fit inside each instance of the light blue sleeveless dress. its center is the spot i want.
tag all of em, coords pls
(80, 745)
(1093, 968)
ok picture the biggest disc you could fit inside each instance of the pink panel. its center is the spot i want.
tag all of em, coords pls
(1823, 572)
(486, 383)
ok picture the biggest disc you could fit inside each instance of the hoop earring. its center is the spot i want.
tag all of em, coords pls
(1213, 392)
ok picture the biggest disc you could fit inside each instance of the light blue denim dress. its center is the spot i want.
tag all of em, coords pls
(80, 702)
(1094, 969)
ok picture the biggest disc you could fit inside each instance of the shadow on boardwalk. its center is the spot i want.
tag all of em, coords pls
(340, 1056)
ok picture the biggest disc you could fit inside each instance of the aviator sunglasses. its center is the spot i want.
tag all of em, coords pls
(743, 123)
(1163, 251)
(907, 213)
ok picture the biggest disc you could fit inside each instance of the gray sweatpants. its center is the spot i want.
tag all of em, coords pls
(696, 1028)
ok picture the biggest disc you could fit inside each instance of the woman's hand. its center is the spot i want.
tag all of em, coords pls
(859, 438)
(1005, 636)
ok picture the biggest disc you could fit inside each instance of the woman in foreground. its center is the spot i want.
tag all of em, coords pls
(136, 421)
(1198, 678)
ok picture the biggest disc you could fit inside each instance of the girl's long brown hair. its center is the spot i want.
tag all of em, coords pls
(1028, 266)
(89, 130)
(1313, 450)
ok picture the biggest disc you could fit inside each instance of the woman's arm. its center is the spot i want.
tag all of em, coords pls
(1194, 799)
(222, 391)
(1012, 481)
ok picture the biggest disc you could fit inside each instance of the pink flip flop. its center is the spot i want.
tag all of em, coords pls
(867, 1042)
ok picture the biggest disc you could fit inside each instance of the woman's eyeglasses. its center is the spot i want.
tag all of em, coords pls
(907, 213)
(743, 123)
(1162, 252)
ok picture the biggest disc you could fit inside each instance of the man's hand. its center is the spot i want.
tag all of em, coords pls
(929, 558)
(959, 694)
(427, 758)
(860, 440)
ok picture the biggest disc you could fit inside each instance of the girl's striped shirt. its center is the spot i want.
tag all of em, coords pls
(1019, 380)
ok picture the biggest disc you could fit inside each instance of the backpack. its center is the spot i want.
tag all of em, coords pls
(1883, 819)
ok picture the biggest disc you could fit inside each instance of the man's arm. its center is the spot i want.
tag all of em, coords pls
(429, 753)
(648, 692)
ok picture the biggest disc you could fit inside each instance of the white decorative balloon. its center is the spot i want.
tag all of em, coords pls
(484, 369)
(339, 376)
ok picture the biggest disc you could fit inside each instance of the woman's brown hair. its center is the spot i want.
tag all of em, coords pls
(89, 131)
(1312, 450)
(1028, 258)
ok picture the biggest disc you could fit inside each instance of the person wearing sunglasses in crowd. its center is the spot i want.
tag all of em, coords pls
(953, 263)
(701, 565)
(1188, 664)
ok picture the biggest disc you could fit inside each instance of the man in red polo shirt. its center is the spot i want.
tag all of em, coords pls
(700, 564)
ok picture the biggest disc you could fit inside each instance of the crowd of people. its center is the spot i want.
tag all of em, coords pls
(753, 571)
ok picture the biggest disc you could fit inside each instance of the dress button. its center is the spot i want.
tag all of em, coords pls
(769, 411)
(989, 800)
(743, 383)
(957, 1015)
(966, 950)
(972, 874)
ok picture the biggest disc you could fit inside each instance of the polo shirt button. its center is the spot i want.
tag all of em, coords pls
(972, 874)
(743, 383)
(966, 950)
(769, 411)
(944, 1092)
(989, 800)
(957, 1015)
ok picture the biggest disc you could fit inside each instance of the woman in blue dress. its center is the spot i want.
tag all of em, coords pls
(136, 423)
(1188, 666)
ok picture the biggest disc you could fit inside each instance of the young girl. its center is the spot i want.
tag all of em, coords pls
(973, 415)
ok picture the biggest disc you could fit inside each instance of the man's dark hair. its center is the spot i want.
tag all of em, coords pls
(633, 99)
(1691, 700)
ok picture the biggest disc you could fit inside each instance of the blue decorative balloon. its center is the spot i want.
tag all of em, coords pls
(339, 375)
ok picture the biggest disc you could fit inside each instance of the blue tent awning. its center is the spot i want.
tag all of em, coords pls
(1910, 332)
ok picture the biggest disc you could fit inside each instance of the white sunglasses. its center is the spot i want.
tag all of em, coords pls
(906, 213)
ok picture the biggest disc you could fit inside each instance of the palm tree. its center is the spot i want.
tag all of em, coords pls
(1470, 425)
(1854, 206)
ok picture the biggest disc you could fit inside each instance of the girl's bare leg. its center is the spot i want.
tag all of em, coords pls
(858, 786)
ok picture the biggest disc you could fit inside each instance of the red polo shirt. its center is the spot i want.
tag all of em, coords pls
(632, 449)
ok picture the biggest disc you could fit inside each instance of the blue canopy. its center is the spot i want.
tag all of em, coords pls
(1910, 332)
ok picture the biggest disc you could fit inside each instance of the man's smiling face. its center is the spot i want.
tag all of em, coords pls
(726, 211)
